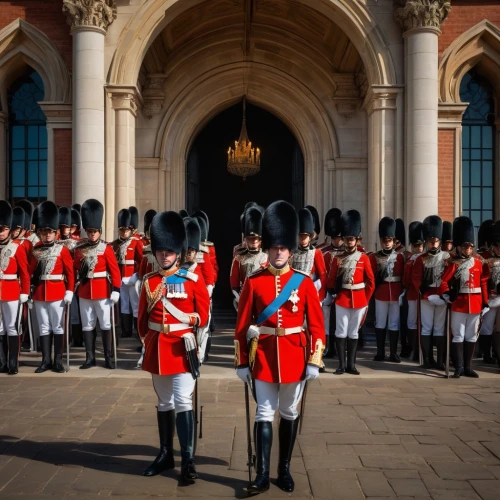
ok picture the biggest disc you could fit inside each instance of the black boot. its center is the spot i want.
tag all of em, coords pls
(165, 459)
(89, 339)
(405, 344)
(126, 324)
(495, 342)
(380, 336)
(469, 348)
(413, 345)
(76, 336)
(263, 432)
(46, 343)
(287, 435)
(328, 348)
(341, 354)
(426, 343)
(352, 345)
(457, 355)
(485, 341)
(14, 345)
(107, 344)
(4, 349)
(58, 350)
(441, 353)
(432, 361)
(393, 344)
(185, 432)
(361, 338)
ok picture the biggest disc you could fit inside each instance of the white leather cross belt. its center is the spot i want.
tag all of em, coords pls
(52, 277)
(101, 274)
(8, 277)
(279, 332)
(353, 286)
(392, 279)
(466, 289)
(128, 263)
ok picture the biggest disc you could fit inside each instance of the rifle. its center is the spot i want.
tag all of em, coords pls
(419, 330)
(448, 332)
(250, 458)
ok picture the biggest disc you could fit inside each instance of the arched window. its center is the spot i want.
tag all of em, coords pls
(478, 144)
(27, 140)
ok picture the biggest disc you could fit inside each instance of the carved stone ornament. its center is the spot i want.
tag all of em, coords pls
(153, 95)
(346, 94)
(97, 14)
(411, 14)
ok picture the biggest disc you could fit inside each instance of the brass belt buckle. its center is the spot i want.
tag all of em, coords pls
(166, 329)
(280, 332)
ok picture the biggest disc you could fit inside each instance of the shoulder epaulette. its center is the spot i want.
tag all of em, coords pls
(209, 243)
(184, 273)
(300, 272)
(257, 271)
(149, 275)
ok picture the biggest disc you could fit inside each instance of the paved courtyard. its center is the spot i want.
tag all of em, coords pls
(395, 431)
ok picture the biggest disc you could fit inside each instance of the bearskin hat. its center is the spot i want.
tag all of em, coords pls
(65, 216)
(193, 233)
(167, 232)
(183, 213)
(34, 220)
(463, 231)
(48, 215)
(432, 227)
(400, 231)
(148, 217)
(203, 228)
(248, 205)
(447, 231)
(350, 224)
(253, 222)
(316, 219)
(204, 216)
(77, 207)
(18, 218)
(416, 233)
(124, 218)
(280, 226)
(306, 222)
(28, 208)
(485, 233)
(134, 217)
(333, 222)
(387, 227)
(92, 214)
(495, 239)
(76, 219)
(5, 213)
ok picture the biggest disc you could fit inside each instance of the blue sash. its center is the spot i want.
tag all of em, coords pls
(177, 278)
(293, 283)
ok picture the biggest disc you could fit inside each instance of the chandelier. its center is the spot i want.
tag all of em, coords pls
(243, 160)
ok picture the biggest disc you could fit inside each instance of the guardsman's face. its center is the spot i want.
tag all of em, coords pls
(337, 241)
(466, 249)
(4, 232)
(433, 243)
(419, 248)
(166, 258)
(93, 235)
(448, 246)
(387, 243)
(252, 242)
(16, 233)
(191, 255)
(350, 243)
(65, 230)
(73, 229)
(304, 239)
(47, 235)
(278, 256)
(125, 233)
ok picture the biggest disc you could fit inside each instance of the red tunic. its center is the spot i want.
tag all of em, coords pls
(470, 303)
(411, 291)
(417, 276)
(129, 255)
(15, 265)
(389, 291)
(329, 255)
(28, 247)
(239, 270)
(213, 260)
(165, 353)
(148, 263)
(349, 298)
(206, 268)
(279, 359)
(98, 287)
(50, 290)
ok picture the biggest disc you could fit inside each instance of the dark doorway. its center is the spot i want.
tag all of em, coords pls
(222, 196)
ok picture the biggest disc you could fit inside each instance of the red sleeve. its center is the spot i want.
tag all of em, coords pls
(448, 273)
(485, 276)
(417, 273)
(369, 279)
(207, 270)
(31, 263)
(243, 321)
(138, 254)
(112, 267)
(234, 278)
(22, 267)
(201, 302)
(328, 262)
(407, 274)
(314, 315)
(69, 272)
(373, 263)
(399, 267)
(143, 267)
(142, 317)
(215, 265)
(319, 263)
(332, 274)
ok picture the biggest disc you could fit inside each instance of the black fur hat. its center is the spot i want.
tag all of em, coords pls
(463, 231)
(77, 207)
(316, 219)
(193, 233)
(134, 217)
(65, 216)
(416, 233)
(432, 227)
(280, 226)
(306, 222)
(28, 208)
(5, 214)
(204, 216)
(167, 232)
(400, 231)
(333, 222)
(76, 219)
(203, 228)
(148, 217)
(18, 218)
(485, 233)
(248, 205)
(183, 213)
(350, 224)
(495, 239)
(124, 218)
(34, 219)
(447, 231)
(253, 222)
(92, 214)
(48, 215)
(387, 227)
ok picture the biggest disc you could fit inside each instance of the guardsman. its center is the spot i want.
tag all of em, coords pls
(148, 217)
(52, 286)
(128, 251)
(76, 224)
(388, 268)
(99, 281)
(416, 237)
(275, 303)
(308, 259)
(253, 258)
(65, 237)
(426, 278)
(447, 236)
(241, 246)
(400, 241)
(352, 283)
(30, 234)
(317, 225)
(465, 285)
(134, 222)
(333, 241)
(484, 235)
(14, 291)
(203, 258)
(149, 263)
(173, 303)
(208, 244)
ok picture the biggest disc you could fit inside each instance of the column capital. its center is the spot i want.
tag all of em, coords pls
(381, 97)
(421, 14)
(124, 98)
(90, 15)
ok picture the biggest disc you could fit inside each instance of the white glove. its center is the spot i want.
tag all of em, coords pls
(436, 300)
(125, 281)
(115, 297)
(23, 298)
(244, 374)
(317, 285)
(328, 300)
(401, 298)
(485, 310)
(236, 296)
(312, 372)
(494, 301)
(68, 297)
(133, 279)
(210, 289)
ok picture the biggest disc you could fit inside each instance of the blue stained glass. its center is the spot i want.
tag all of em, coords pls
(18, 192)
(475, 171)
(33, 173)
(475, 198)
(465, 198)
(43, 192)
(18, 171)
(17, 134)
(42, 172)
(487, 199)
(33, 192)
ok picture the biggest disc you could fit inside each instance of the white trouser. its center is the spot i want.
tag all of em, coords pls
(129, 300)
(50, 316)
(489, 320)
(412, 315)
(348, 321)
(174, 391)
(93, 310)
(387, 314)
(432, 318)
(326, 316)
(464, 326)
(270, 396)
(8, 312)
(75, 313)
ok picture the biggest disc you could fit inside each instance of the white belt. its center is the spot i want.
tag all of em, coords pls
(435, 284)
(100, 274)
(50, 277)
(127, 263)
(8, 277)
(279, 332)
(392, 279)
(466, 289)
(355, 286)
(166, 328)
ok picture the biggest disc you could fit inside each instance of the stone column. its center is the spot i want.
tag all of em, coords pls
(3, 154)
(89, 23)
(421, 21)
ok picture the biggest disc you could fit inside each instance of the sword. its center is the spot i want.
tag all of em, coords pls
(195, 417)
(114, 333)
(448, 331)
(303, 407)
(67, 309)
(30, 329)
(419, 330)
(250, 457)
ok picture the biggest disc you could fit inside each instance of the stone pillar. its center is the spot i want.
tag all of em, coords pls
(4, 123)
(89, 23)
(421, 21)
